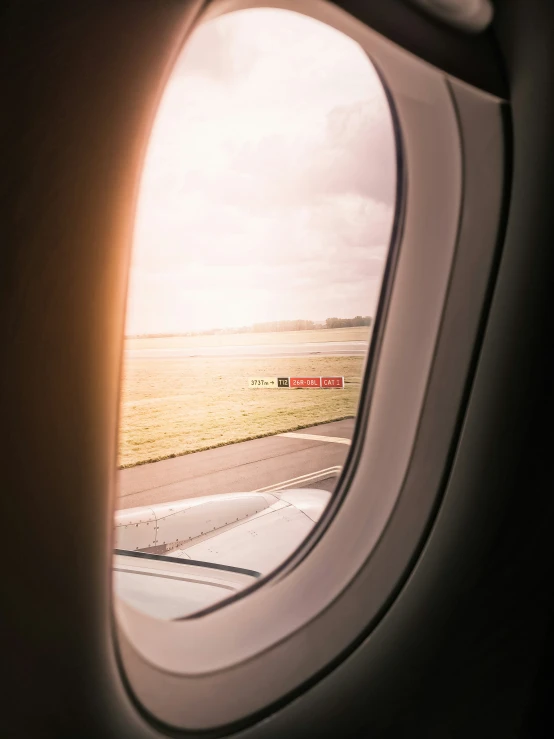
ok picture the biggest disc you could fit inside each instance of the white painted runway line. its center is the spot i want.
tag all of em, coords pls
(314, 437)
(302, 480)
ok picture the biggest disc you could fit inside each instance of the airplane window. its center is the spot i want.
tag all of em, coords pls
(263, 224)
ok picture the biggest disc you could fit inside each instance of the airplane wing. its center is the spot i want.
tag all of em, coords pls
(177, 558)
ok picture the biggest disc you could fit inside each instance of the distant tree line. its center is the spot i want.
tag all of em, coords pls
(348, 322)
(298, 325)
(270, 326)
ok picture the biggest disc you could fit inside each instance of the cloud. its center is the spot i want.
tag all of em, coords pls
(268, 189)
(211, 52)
(361, 152)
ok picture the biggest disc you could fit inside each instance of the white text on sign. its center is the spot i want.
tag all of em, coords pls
(296, 382)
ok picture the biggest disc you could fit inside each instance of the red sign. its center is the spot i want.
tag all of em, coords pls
(332, 382)
(305, 382)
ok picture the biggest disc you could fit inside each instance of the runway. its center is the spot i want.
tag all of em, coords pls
(311, 457)
(321, 349)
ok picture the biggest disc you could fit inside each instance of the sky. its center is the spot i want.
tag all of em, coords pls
(268, 187)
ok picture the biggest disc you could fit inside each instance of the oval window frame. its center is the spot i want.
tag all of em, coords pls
(344, 599)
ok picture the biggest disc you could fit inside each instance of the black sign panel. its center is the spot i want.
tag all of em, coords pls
(283, 381)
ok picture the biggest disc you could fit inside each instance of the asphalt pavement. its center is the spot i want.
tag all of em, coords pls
(319, 349)
(311, 457)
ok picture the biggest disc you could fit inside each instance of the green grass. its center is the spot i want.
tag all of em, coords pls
(178, 406)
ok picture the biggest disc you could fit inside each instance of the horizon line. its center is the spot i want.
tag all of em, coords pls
(250, 328)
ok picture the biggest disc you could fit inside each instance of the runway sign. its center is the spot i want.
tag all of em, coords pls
(332, 382)
(267, 382)
(305, 381)
(296, 382)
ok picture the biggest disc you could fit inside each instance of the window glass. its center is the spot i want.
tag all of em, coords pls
(263, 223)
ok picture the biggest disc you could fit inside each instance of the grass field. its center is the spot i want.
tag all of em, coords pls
(360, 333)
(178, 406)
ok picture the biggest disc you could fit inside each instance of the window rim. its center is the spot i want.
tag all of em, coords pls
(341, 19)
